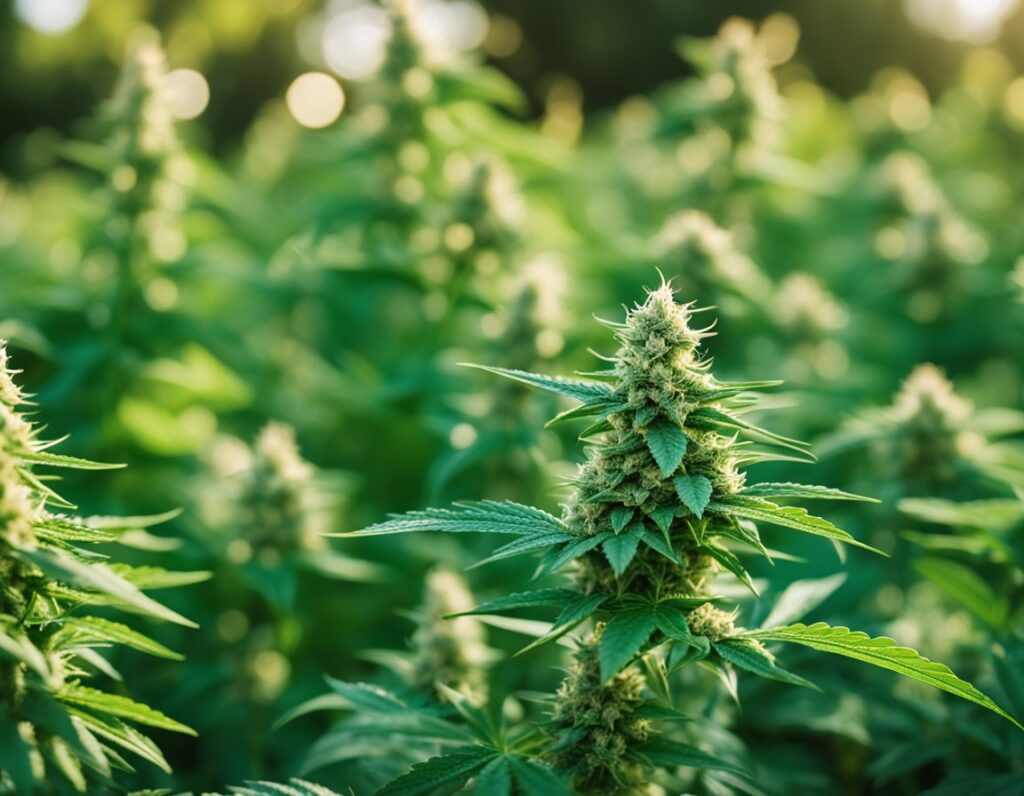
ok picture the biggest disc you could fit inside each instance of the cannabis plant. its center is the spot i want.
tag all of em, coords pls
(931, 441)
(659, 508)
(57, 732)
(970, 554)
(447, 656)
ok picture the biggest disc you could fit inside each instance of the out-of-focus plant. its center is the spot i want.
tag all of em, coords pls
(261, 516)
(971, 553)
(447, 656)
(932, 441)
(659, 507)
(58, 734)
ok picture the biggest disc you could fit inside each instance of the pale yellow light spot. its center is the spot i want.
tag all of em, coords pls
(779, 36)
(1013, 104)
(239, 551)
(187, 93)
(408, 189)
(161, 294)
(549, 342)
(315, 99)
(123, 178)
(462, 436)
(414, 156)
(890, 243)
(458, 237)
(504, 37)
(417, 82)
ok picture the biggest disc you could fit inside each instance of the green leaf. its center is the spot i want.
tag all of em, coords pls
(619, 550)
(366, 697)
(582, 607)
(487, 516)
(120, 706)
(671, 621)
(624, 635)
(802, 596)
(787, 516)
(21, 649)
(536, 779)
(124, 735)
(523, 545)
(667, 753)
(731, 562)
(450, 770)
(572, 551)
(100, 578)
(667, 444)
(967, 588)
(694, 491)
(495, 778)
(58, 460)
(585, 391)
(15, 757)
(985, 514)
(92, 629)
(709, 417)
(524, 599)
(882, 652)
(802, 491)
(620, 517)
(745, 654)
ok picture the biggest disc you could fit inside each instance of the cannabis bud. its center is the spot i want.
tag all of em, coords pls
(661, 507)
(52, 726)
(452, 652)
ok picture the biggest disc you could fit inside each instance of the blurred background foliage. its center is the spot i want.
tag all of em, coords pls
(244, 246)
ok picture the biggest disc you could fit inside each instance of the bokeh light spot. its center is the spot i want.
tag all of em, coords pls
(315, 99)
(51, 17)
(187, 93)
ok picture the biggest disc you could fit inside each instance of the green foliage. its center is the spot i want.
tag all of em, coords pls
(58, 733)
(659, 608)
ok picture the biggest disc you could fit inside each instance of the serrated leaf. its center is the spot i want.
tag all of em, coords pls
(100, 578)
(585, 391)
(787, 516)
(732, 563)
(122, 707)
(447, 770)
(59, 460)
(666, 753)
(367, 697)
(571, 552)
(536, 779)
(525, 599)
(709, 417)
(671, 621)
(667, 444)
(746, 655)
(495, 778)
(694, 491)
(811, 491)
(884, 653)
(620, 517)
(92, 629)
(127, 737)
(619, 550)
(484, 517)
(624, 635)
(524, 545)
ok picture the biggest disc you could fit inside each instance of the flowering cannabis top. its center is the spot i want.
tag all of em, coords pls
(660, 507)
(54, 728)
